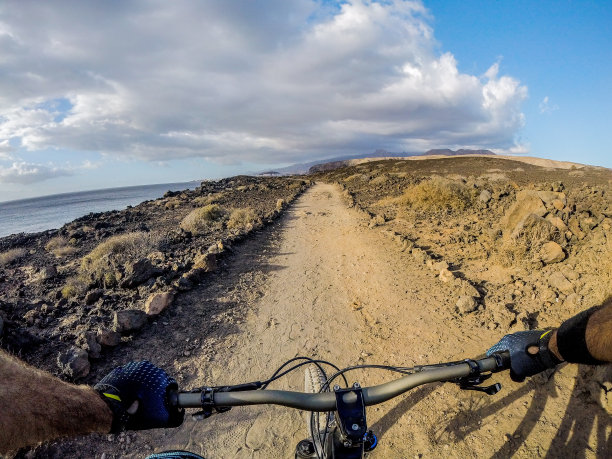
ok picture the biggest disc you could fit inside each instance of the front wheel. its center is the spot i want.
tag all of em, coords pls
(317, 424)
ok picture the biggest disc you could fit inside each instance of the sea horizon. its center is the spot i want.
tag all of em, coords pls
(42, 213)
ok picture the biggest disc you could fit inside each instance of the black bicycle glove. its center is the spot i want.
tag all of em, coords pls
(522, 362)
(147, 384)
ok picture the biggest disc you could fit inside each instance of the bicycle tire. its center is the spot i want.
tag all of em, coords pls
(314, 381)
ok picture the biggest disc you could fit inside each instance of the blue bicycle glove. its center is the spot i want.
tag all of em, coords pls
(522, 362)
(147, 384)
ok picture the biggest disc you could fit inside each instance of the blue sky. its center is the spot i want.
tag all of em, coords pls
(156, 92)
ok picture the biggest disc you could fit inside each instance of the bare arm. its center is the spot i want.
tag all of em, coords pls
(598, 335)
(35, 406)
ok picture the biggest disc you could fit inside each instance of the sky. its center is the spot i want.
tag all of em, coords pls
(116, 93)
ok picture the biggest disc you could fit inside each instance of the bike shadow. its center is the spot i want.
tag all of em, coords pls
(572, 438)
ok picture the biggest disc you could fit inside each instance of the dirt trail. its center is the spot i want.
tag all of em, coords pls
(323, 284)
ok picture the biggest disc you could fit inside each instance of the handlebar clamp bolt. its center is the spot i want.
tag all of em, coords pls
(356, 385)
(355, 426)
(336, 387)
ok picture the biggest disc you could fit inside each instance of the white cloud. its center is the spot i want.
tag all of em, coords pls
(237, 81)
(546, 107)
(27, 173)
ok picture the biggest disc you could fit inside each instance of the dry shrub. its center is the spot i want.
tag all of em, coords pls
(60, 247)
(207, 200)
(350, 178)
(74, 286)
(379, 180)
(200, 220)
(102, 262)
(437, 194)
(11, 255)
(296, 185)
(523, 245)
(172, 203)
(242, 219)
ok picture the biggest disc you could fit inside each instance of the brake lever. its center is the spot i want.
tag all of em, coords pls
(475, 378)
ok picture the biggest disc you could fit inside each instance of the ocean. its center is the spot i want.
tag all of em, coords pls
(48, 212)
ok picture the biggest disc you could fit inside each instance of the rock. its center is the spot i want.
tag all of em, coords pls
(557, 222)
(446, 275)
(206, 261)
(1, 326)
(485, 196)
(574, 227)
(129, 320)
(419, 255)
(549, 197)
(74, 363)
(138, 273)
(558, 204)
(48, 272)
(184, 284)
(466, 304)
(527, 203)
(157, 302)
(551, 252)
(30, 316)
(108, 338)
(89, 342)
(467, 289)
(587, 224)
(558, 281)
(93, 296)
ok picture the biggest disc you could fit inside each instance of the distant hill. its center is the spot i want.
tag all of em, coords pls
(448, 152)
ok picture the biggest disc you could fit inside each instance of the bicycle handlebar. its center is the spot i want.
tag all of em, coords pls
(326, 401)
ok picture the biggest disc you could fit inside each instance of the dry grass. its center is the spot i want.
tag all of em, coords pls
(200, 220)
(280, 203)
(242, 219)
(172, 203)
(60, 247)
(11, 255)
(379, 180)
(350, 178)
(102, 262)
(522, 247)
(74, 286)
(202, 201)
(437, 194)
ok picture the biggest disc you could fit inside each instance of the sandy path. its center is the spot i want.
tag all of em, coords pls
(338, 291)
(321, 283)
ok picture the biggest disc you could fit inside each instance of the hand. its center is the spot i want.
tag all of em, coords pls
(137, 394)
(529, 353)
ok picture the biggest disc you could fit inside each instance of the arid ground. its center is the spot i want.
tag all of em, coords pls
(390, 262)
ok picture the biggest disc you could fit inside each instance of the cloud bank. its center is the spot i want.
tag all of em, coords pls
(239, 81)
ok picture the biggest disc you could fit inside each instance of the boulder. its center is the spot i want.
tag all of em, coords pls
(551, 252)
(129, 320)
(48, 272)
(558, 204)
(557, 222)
(138, 273)
(527, 203)
(446, 276)
(485, 196)
(466, 304)
(74, 363)
(206, 261)
(108, 338)
(574, 227)
(93, 296)
(467, 289)
(184, 284)
(89, 342)
(549, 197)
(157, 302)
(559, 282)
